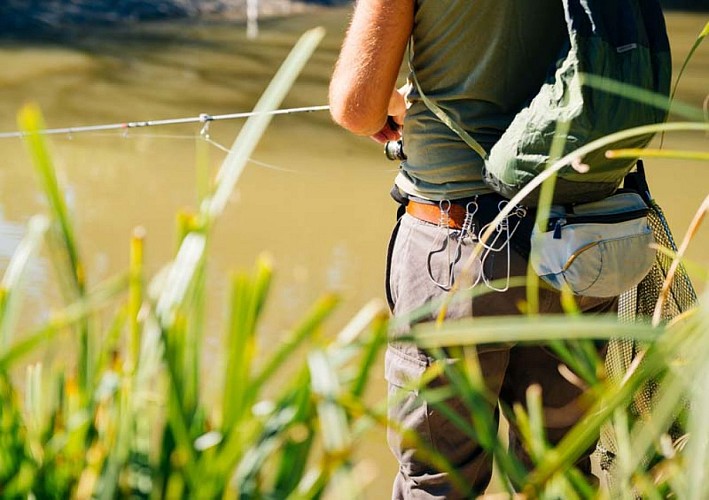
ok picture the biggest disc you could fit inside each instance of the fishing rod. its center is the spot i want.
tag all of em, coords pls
(203, 118)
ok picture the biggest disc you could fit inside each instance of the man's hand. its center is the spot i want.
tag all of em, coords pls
(396, 112)
(390, 132)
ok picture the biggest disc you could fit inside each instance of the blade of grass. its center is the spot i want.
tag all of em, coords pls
(179, 425)
(546, 196)
(570, 483)
(67, 261)
(692, 267)
(621, 468)
(697, 454)
(34, 407)
(185, 340)
(700, 38)
(658, 153)
(67, 317)
(425, 312)
(135, 293)
(308, 327)
(179, 278)
(234, 438)
(333, 419)
(248, 474)
(690, 54)
(14, 449)
(245, 143)
(240, 348)
(194, 329)
(691, 232)
(538, 442)
(371, 312)
(295, 439)
(247, 302)
(294, 460)
(351, 343)
(300, 439)
(146, 383)
(10, 288)
(109, 354)
(685, 370)
(30, 122)
(118, 454)
(686, 111)
(372, 350)
(493, 330)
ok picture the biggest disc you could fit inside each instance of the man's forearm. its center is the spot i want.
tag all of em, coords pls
(366, 71)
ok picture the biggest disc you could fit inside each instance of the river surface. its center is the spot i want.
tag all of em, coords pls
(314, 197)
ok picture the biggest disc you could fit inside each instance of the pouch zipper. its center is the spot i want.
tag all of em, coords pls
(557, 223)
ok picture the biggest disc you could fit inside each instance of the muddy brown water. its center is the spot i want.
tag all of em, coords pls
(315, 197)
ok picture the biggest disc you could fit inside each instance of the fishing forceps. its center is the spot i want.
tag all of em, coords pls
(500, 242)
(444, 246)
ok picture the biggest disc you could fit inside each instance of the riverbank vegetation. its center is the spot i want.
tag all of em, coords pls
(132, 419)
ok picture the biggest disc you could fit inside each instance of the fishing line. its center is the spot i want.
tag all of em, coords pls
(205, 119)
(206, 138)
(251, 160)
(202, 118)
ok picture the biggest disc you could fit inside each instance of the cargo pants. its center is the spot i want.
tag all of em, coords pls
(508, 371)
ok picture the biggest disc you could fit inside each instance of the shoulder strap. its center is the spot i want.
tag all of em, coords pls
(452, 124)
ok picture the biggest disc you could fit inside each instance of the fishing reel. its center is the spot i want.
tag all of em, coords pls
(394, 150)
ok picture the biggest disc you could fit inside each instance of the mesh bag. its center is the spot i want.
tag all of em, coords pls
(640, 302)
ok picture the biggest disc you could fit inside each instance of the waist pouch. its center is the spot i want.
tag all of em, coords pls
(597, 249)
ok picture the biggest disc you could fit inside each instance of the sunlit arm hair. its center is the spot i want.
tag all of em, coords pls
(366, 70)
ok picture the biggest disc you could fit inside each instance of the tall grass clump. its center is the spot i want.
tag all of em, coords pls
(129, 420)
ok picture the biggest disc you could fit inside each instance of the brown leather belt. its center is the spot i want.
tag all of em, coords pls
(432, 212)
(488, 206)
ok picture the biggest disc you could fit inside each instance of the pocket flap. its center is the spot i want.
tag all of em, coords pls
(402, 370)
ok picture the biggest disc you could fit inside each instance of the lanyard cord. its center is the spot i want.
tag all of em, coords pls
(442, 115)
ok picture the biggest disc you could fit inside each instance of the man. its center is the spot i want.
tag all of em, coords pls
(479, 61)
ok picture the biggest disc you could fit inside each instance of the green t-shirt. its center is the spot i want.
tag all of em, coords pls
(480, 61)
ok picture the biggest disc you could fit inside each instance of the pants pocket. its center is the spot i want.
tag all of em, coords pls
(387, 275)
(407, 412)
